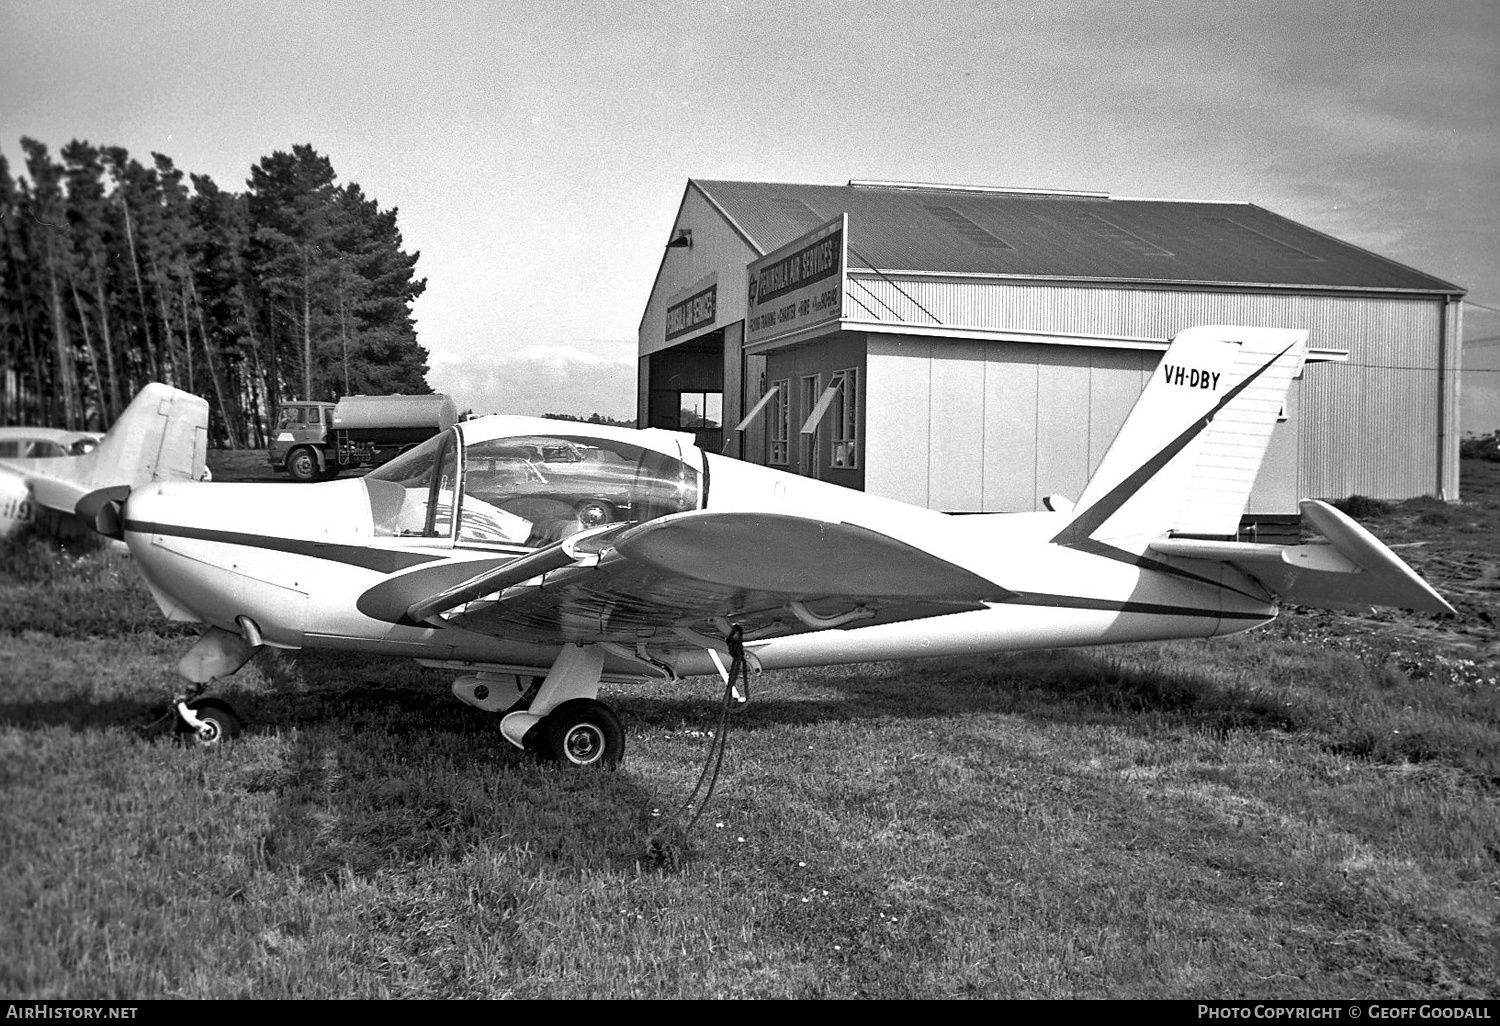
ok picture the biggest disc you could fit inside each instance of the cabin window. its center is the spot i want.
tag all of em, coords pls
(533, 490)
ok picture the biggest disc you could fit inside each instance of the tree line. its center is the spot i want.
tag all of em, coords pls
(114, 273)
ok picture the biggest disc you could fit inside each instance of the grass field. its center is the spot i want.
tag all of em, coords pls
(1310, 810)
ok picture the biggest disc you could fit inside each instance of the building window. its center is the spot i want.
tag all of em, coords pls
(781, 422)
(807, 459)
(846, 420)
(700, 411)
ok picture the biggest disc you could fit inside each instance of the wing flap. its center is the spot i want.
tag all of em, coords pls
(1354, 571)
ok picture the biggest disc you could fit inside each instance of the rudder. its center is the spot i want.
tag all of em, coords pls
(1189, 452)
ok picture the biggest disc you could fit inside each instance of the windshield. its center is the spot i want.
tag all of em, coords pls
(412, 495)
(533, 490)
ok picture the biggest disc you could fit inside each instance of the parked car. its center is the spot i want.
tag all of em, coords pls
(30, 443)
(595, 484)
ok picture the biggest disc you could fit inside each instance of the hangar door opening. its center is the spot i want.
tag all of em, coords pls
(687, 390)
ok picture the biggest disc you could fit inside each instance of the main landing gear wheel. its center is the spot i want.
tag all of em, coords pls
(220, 724)
(583, 732)
(302, 465)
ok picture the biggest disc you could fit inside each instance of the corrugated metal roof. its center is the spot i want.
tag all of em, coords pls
(1067, 236)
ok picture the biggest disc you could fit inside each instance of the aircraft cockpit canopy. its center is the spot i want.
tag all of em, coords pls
(526, 490)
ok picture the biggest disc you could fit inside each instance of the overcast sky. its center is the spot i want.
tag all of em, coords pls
(537, 151)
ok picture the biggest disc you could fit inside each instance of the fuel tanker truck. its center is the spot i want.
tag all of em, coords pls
(314, 441)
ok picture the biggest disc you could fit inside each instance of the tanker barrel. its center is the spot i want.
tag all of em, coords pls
(393, 419)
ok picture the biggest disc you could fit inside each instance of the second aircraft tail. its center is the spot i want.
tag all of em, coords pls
(161, 436)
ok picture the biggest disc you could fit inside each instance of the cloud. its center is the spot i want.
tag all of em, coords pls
(577, 379)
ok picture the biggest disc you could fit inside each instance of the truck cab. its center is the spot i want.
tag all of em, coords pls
(314, 440)
(303, 430)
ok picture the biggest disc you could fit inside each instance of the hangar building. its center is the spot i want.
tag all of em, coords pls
(974, 349)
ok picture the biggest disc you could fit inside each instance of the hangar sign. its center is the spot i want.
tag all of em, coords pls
(800, 285)
(693, 312)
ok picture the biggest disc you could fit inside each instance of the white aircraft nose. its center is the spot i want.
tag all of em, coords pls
(215, 552)
(141, 507)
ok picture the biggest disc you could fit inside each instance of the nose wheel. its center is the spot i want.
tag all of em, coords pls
(206, 722)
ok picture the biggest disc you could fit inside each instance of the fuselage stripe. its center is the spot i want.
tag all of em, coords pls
(384, 561)
(1117, 606)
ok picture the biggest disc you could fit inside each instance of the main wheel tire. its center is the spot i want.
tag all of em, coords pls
(595, 513)
(583, 732)
(302, 465)
(220, 723)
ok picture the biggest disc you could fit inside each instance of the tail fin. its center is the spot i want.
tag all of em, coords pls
(1192, 446)
(161, 436)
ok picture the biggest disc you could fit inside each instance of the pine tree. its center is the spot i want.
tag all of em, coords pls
(21, 388)
(330, 264)
(113, 273)
(51, 253)
(293, 247)
(89, 220)
(220, 235)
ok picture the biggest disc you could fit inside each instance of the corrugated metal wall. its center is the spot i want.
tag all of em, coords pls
(968, 427)
(992, 426)
(1376, 425)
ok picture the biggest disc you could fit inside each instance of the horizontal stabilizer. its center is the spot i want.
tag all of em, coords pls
(1354, 571)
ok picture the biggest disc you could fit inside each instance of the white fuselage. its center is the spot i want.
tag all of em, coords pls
(295, 560)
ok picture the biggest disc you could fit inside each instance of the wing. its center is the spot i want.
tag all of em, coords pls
(698, 573)
(1354, 571)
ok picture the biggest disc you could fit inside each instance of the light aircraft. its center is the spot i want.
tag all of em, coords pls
(510, 550)
(161, 436)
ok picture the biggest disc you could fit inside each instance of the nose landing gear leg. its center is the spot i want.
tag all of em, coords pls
(218, 653)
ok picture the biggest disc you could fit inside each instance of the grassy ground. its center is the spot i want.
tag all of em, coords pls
(1309, 810)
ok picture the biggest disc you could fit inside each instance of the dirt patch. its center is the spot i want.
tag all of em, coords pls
(1456, 548)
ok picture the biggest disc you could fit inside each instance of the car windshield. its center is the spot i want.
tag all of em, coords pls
(533, 490)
